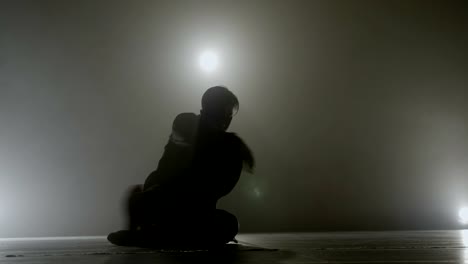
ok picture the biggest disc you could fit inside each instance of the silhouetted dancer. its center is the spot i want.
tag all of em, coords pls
(176, 206)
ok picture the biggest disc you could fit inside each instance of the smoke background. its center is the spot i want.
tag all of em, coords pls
(355, 110)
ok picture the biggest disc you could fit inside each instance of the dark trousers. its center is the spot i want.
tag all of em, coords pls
(160, 217)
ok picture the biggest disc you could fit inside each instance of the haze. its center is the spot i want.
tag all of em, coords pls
(355, 110)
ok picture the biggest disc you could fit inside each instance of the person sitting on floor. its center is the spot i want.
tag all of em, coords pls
(201, 163)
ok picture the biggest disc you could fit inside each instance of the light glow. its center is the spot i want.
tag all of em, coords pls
(463, 215)
(209, 61)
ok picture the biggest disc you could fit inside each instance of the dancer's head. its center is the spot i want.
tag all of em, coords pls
(219, 106)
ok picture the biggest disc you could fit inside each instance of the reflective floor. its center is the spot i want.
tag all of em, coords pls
(334, 247)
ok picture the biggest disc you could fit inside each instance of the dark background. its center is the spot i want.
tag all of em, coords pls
(356, 110)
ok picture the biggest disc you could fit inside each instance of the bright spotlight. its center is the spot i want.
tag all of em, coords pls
(208, 61)
(463, 215)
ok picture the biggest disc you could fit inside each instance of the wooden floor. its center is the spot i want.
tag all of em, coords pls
(334, 247)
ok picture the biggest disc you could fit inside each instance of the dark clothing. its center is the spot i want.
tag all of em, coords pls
(218, 229)
(178, 152)
(199, 165)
